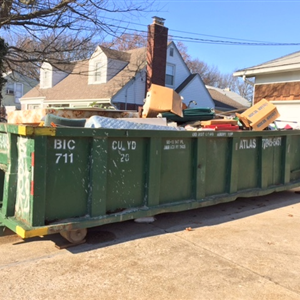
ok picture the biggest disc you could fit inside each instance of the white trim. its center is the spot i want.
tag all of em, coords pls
(285, 102)
(266, 70)
(269, 82)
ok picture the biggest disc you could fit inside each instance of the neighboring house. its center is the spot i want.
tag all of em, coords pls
(119, 78)
(226, 100)
(277, 81)
(15, 87)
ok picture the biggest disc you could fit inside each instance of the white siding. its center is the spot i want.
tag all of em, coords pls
(133, 92)
(288, 110)
(46, 76)
(278, 77)
(53, 77)
(108, 67)
(197, 91)
(181, 70)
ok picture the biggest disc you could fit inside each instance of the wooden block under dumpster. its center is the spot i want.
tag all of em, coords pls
(259, 116)
(161, 99)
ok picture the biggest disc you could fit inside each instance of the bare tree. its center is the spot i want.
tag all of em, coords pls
(58, 31)
(212, 76)
(127, 41)
(27, 53)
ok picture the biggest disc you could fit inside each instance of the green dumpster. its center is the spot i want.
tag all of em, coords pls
(69, 179)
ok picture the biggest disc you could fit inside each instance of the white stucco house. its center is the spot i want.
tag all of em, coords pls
(119, 78)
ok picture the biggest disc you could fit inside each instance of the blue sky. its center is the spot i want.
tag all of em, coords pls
(242, 21)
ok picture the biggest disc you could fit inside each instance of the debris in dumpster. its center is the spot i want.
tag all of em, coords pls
(149, 121)
(259, 116)
(219, 122)
(51, 119)
(222, 127)
(280, 124)
(161, 99)
(36, 115)
(190, 114)
(102, 122)
(288, 127)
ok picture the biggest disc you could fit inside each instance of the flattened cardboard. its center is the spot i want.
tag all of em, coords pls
(259, 116)
(161, 99)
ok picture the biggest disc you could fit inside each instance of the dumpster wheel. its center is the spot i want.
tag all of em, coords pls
(74, 236)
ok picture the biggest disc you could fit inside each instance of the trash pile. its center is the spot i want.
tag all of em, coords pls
(163, 110)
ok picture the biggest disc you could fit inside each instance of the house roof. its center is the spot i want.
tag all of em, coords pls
(115, 54)
(65, 67)
(75, 86)
(227, 100)
(18, 77)
(185, 83)
(290, 62)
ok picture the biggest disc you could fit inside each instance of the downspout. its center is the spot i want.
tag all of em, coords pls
(126, 92)
(251, 83)
(247, 81)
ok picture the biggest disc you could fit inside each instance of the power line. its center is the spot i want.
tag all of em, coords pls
(221, 40)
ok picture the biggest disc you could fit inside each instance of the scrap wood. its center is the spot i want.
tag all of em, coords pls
(219, 122)
(225, 113)
(223, 127)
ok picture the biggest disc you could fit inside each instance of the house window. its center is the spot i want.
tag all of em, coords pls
(33, 106)
(170, 74)
(47, 77)
(98, 72)
(10, 88)
(18, 92)
(171, 51)
(58, 105)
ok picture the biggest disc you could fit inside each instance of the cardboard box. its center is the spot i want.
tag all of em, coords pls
(259, 116)
(161, 99)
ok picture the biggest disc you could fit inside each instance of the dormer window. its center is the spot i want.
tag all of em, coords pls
(98, 72)
(47, 78)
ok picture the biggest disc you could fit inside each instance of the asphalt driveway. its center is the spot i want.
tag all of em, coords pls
(247, 249)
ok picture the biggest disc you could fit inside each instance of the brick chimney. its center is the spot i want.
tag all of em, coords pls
(156, 52)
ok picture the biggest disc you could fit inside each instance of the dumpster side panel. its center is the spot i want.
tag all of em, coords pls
(67, 176)
(24, 195)
(217, 166)
(295, 157)
(248, 163)
(126, 173)
(176, 177)
(4, 147)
